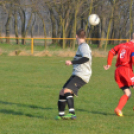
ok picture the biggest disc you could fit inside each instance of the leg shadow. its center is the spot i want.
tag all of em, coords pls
(25, 105)
(94, 112)
(12, 112)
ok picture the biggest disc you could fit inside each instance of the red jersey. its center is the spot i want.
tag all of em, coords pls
(125, 54)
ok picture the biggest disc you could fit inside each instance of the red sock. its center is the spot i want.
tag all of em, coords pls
(122, 101)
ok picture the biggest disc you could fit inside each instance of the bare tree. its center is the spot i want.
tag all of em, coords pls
(9, 12)
(62, 18)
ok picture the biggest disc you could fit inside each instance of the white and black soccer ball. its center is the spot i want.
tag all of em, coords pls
(93, 19)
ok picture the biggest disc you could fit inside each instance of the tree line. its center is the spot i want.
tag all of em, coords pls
(62, 18)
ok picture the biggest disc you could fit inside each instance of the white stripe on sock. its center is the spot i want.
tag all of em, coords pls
(71, 110)
(61, 113)
(69, 97)
(62, 100)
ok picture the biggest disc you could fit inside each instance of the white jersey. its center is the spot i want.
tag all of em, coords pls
(84, 70)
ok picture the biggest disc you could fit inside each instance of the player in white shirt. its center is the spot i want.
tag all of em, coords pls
(80, 76)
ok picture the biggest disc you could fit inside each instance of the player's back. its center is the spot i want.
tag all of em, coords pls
(123, 52)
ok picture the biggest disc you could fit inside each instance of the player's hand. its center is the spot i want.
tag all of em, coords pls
(68, 63)
(106, 67)
(133, 86)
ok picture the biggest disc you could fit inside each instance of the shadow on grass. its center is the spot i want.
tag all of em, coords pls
(12, 112)
(25, 105)
(43, 108)
(94, 112)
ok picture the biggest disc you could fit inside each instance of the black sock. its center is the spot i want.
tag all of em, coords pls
(70, 101)
(61, 105)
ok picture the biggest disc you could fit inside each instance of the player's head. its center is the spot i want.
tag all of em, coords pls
(81, 34)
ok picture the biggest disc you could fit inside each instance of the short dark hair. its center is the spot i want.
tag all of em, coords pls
(81, 33)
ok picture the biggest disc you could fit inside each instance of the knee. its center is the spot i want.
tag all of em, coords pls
(62, 92)
(129, 94)
(127, 91)
(67, 91)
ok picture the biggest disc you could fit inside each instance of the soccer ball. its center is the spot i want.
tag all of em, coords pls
(93, 19)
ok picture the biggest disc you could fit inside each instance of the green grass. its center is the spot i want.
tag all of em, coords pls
(29, 88)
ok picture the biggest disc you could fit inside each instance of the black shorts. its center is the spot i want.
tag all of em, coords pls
(74, 83)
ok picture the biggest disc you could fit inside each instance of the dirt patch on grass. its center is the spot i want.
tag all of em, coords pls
(23, 53)
(13, 53)
(43, 53)
(66, 54)
(18, 53)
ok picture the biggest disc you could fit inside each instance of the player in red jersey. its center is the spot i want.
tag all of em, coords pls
(124, 75)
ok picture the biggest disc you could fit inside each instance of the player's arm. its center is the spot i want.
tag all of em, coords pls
(79, 61)
(85, 56)
(109, 60)
(111, 54)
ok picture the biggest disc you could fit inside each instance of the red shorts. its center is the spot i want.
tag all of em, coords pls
(124, 76)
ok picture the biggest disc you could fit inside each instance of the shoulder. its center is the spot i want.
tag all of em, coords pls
(117, 47)
(85, 46)
(85, 50)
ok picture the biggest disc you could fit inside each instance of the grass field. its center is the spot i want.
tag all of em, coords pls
(29, 88)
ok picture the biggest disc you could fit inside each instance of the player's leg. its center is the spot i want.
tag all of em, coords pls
(70, 90)
(123, 100)
(70, 101)
(61, 105)
(123, 81)
(62, 102)
(66, 96)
